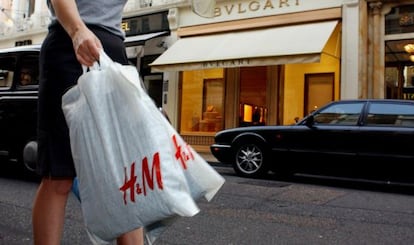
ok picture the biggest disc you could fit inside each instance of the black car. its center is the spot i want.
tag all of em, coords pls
(368, 138)
(19, 78)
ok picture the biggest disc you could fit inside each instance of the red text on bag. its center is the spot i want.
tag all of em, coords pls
(147, 179)
(182, 154)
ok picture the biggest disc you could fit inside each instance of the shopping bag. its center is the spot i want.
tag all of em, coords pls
(203, 180)
(126, 168)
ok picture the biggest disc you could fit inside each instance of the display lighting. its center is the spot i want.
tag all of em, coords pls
(409, 48)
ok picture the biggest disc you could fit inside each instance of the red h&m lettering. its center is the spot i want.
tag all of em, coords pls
(149, 179)
(131, 184)
(183, 154)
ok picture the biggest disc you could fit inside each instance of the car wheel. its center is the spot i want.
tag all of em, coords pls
(30, 156)
(250, 160)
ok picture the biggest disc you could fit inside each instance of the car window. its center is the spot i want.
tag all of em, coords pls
(29, 71)
(7, 68)
(340, 114)
(390, 114)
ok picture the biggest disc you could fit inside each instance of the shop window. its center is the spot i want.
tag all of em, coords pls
(202, 105)
(408, 93)
(213, 95)
(400, 20)
(399, 82)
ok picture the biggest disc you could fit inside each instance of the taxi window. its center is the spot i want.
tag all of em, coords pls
(29, 70)
(7, 68)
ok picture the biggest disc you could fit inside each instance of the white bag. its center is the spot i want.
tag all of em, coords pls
(132, 166)
(203, 180)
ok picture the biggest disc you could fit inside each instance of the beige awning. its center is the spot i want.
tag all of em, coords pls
(271, 46)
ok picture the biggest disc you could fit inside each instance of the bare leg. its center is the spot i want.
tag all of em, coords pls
(48, 212)
(135, 237)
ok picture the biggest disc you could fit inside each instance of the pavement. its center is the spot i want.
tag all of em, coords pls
(208, 157)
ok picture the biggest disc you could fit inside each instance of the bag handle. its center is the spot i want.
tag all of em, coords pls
(104, 62)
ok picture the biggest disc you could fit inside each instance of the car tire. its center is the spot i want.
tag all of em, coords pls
(30, 156)
(250, 160)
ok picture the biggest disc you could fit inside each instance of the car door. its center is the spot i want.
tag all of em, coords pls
(333, 137)
(388, 136)
(7, 68)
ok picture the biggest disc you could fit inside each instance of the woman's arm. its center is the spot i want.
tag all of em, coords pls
(85, 43)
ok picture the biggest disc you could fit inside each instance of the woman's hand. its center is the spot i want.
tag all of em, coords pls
(86, 45)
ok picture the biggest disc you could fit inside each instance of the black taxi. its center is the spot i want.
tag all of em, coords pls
(19, 79)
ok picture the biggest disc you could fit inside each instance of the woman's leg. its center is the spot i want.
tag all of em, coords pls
(135, 237)
(48, 212)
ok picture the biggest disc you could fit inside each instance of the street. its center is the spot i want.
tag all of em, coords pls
(250, 211)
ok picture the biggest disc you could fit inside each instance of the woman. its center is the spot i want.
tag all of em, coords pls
(78, 31)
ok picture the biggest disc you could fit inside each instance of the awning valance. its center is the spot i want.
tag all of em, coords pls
(141, 39)
(271, 46)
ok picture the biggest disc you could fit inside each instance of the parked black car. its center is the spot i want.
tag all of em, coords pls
(367, 138)
(19, 78)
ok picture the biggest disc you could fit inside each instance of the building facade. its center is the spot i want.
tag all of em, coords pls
(253, 62)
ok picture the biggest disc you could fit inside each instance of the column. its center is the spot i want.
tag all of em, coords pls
(377, 76)
(350, 64)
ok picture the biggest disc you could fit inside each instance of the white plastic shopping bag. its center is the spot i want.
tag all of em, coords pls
(203, 180)
(131, 171)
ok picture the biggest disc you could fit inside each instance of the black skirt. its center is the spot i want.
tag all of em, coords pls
(59, 71)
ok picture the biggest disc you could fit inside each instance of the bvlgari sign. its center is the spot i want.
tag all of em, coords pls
(233, 10)
(254, 6)
(225, 63)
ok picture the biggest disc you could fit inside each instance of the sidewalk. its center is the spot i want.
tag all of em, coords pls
(208, 157)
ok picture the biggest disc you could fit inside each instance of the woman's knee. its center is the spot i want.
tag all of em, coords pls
(58, 186)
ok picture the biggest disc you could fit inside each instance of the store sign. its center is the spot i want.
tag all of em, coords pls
(254, 6)
(226, 63)
(139, 25)
(245, 9)
(23, 42)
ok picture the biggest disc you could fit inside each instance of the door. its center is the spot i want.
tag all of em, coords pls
(253, 92)
(387, 138)
(319, 90)
(331, 142)
(154, 86)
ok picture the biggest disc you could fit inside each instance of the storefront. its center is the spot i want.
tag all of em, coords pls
(255, 63)
(399, 51)
(145, 41)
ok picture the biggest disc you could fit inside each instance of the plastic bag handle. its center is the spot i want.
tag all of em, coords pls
(104, 62)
